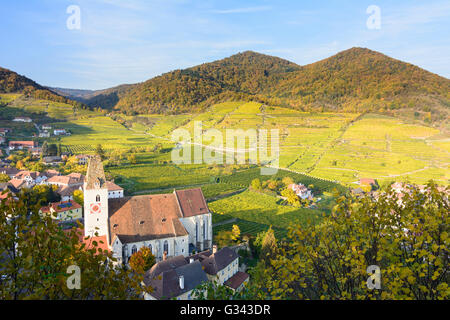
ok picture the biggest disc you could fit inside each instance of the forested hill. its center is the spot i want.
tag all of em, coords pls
(354, 80)
(180, 90)
(357, 79)
(11, 82)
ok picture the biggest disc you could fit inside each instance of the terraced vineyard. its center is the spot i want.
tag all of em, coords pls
(251, 228)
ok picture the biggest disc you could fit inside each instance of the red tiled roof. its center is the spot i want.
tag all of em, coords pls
(23, 143)
(65, 206)
(192, 202)
(146, 217)
(17, 183)
(235, 281)
(112, 186)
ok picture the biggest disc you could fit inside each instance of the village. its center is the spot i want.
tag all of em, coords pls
(176, 228)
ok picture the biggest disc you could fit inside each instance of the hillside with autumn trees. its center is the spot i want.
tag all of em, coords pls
(354, 80)
(11, 82)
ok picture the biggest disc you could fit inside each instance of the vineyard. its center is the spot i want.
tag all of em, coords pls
(251, 228)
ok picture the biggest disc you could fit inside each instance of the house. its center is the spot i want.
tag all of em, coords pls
(22, 119)
(44, 134)
(36, 151)
(13, 145)
(301, 191)
(4, 131)
(2, 140)
(51, 173)
(10, 171)
(64, 210)
(114, 191)
(52, 160)
(82, 159)
(221, 266)
(59, 132)
(166, 223)
(18, 184)
(31, 177)
(174, 278)
(46, 127)
(73, 179)
(66, 192)
(373, 183)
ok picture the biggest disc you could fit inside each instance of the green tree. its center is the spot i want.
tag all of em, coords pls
(408, 240)
(142, 260)
(235, 232)
(78, 197)
(256, 184)
(291, 197)
(36, 254)
(269, 246)
(4, 177)
(99, 150)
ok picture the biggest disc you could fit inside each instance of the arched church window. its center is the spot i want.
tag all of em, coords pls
(204, 230)
(150, 247)
(166, 247)
(133, 249)
(97, 198)
(196, 230)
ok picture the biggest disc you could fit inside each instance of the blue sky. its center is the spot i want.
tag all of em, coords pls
(132, 41)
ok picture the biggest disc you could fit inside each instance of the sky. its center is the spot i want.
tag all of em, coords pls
(131, 41)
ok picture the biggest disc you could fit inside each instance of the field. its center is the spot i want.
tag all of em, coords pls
(327, 150)
(264, 209)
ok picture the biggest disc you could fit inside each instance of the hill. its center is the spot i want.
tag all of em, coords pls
(359, 80)
(11, 82)
(354, 80)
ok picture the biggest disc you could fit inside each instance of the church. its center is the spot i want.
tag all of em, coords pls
(170, 224)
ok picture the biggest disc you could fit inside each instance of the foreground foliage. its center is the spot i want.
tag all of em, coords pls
(407, 239)
(35, 254)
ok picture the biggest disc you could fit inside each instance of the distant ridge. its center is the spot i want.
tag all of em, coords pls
(354, 80)
(11, 82)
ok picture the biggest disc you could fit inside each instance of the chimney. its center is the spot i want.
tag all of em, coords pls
(165, 256)
(191, 260)
(214, 248)
(181, 280)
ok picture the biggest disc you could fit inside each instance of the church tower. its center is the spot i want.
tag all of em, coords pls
(96, 200)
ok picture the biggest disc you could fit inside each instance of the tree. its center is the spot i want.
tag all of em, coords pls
(52, 149)
(142, 260)
(291, 197)
(256, 184)
(37, 254)
(287, 181)
(99, 150)
(132, 158)
(45, 149)
(224, 238)
(4, 177)
(235, 232)
(407, 240)
(78, 197)
(269, 246)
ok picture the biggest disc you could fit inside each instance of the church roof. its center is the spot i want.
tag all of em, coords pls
(147, 217)
(95, 177)
(192, 202)
(142, 218)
